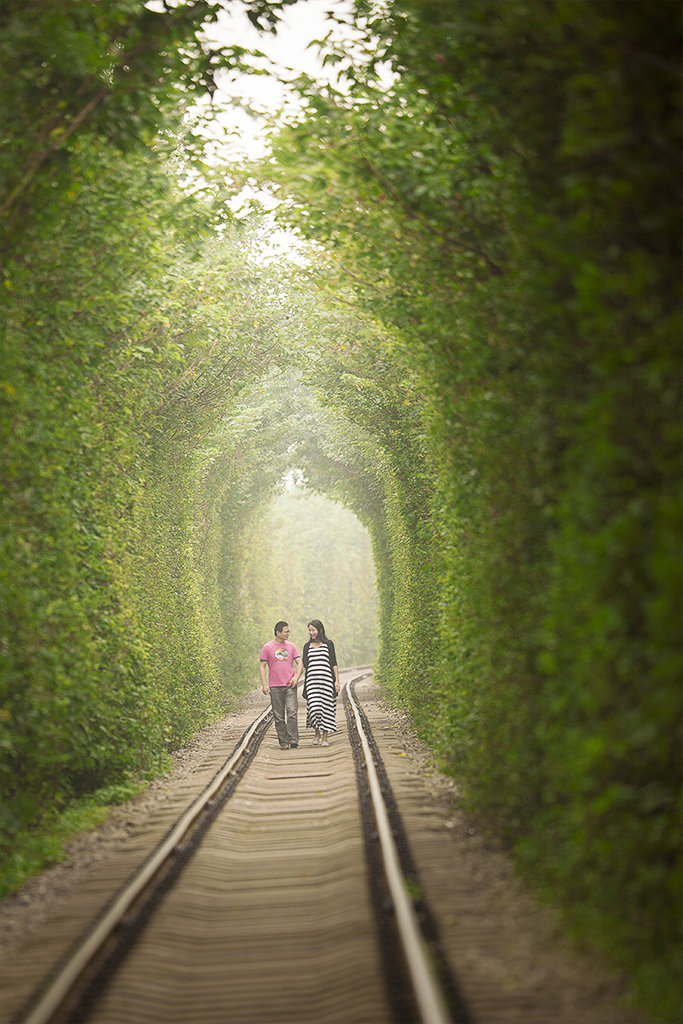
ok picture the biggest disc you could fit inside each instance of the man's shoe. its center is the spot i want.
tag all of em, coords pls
(284, 746)
(294, 744)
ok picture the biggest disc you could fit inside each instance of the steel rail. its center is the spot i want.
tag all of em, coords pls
(427, 991)
(59, 985)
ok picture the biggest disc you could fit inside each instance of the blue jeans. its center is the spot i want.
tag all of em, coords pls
(285, 705)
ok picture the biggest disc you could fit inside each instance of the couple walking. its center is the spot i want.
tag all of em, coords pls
(321, 685)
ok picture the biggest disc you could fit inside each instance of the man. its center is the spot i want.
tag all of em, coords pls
(284, 670)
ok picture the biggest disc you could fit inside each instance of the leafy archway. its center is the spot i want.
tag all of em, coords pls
(480, 360)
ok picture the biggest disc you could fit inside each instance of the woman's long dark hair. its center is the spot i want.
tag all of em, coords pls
(317, 624)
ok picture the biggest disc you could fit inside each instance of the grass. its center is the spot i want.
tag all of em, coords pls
(35, 850)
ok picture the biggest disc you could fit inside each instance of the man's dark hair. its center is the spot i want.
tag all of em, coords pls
(279, 626)
(319, 626)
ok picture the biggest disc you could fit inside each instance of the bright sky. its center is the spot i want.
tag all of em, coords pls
(236, 134)
(289, 54)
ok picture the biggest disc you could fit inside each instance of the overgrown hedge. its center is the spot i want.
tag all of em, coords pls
(511, 206)
(126, 330)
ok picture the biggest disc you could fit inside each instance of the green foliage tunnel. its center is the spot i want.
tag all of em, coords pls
(479, 356)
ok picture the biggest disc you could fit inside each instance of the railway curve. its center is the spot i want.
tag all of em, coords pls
(273, 905)
(118, 970)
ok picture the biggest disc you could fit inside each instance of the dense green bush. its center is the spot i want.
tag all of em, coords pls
(101, 663)
(510, 204)
(126, 327)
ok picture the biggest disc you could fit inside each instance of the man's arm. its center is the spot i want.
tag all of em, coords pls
(299, 669)
(262, 671)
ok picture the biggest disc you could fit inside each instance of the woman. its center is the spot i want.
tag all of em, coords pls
(322, 683)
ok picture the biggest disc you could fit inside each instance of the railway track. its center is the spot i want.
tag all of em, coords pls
(284, 892)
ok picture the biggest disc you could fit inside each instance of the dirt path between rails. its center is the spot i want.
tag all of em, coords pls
(506, 949)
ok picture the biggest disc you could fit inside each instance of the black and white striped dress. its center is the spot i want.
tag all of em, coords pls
(320, 694)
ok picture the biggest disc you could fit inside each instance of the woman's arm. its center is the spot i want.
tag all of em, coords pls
(333, 664)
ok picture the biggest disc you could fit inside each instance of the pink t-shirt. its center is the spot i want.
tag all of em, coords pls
(280, 658)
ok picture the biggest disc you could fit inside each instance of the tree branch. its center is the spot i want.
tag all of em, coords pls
(41, 157)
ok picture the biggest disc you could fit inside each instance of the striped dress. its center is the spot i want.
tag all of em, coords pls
(320, 694)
